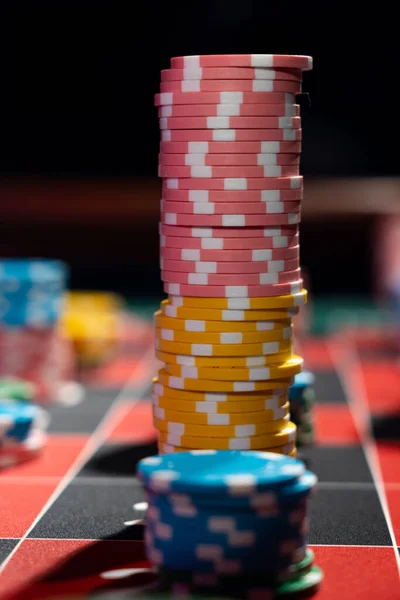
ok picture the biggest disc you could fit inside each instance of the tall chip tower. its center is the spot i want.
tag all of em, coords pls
(229, 251)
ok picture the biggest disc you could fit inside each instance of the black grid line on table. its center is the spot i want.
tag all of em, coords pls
(374, 503)
(66, 487)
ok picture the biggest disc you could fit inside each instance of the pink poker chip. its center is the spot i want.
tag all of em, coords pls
(230, 279)
(229, 268)
(229, 110)
(197, 73)
(224, 148)
(207, 172)
(192, 243)
(43, 357)
(268, 61)
(227, 232)
(233, 291)
(228, 160)
(230, 85)
(231, 135)
(223, 98)
(230, 196)
(226, 208)
(256, 255)
(230, 123)
(237, 220)
(234, 183)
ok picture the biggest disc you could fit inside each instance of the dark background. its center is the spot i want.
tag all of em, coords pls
(76, 101)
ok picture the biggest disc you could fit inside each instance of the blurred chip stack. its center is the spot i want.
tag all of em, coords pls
(302, 400)
(301, 392)
(91, 320)
(230, 260)
(16, 389)
(31, 345)
(22, 423)
(35, 361)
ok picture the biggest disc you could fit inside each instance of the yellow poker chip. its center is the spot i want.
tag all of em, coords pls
(91, 325)
(206, 418)
(91, 320)
(265, 302)
(93, 301)
(164, 390)
(225, 337)
(198, 349)
(288, 449)
(281, 438)
(196, 325)
(272, 408)
(221, 361)
(221, 431)
(287, 369)
(211, 314)
(206, 385)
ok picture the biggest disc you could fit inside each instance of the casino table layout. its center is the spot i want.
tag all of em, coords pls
(68, 526)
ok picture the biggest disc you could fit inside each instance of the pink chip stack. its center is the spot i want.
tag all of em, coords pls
(43, 357)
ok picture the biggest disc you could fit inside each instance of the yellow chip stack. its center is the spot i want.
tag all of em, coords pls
(92, 321)
(225, 379)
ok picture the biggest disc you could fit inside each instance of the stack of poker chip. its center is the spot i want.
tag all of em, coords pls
(230, 522)
(91, 320)
(31, 346)
(229, 237)
(302, 400)
(22, 423)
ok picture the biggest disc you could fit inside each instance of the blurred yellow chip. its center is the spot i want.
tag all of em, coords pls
(100, 301)
(91, 321)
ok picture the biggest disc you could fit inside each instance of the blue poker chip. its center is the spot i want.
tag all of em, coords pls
(258, 505)
(31, 291)
(227, 473)
(264, 503)
(303, 379)
(172, 549)
(18, 418)
(232, 544)
(199, 522)
(303, 487)
(31, 272)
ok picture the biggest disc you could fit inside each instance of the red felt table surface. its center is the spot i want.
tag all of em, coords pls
(63, 517)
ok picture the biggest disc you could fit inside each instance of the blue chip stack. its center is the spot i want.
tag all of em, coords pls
(31, 292)
(22, 423)
(229, 520)
(31, 302)
(302, 400)
(17, 420)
